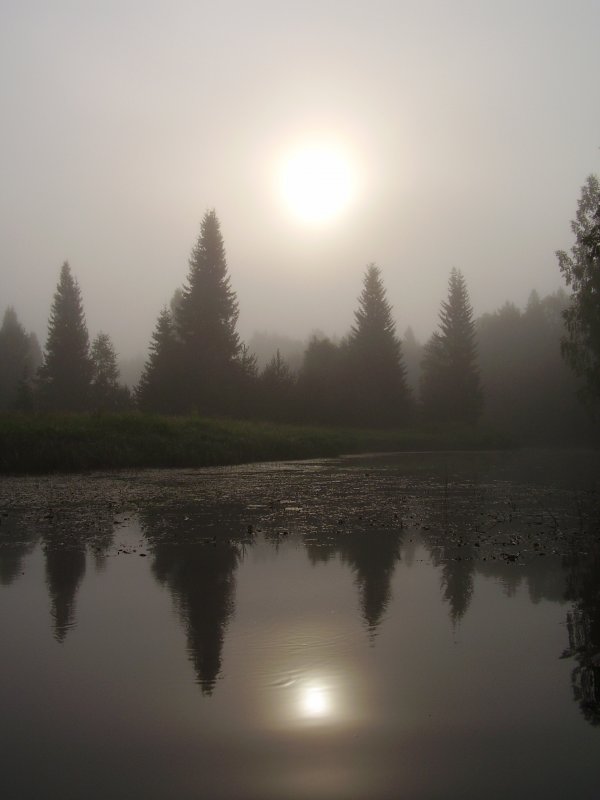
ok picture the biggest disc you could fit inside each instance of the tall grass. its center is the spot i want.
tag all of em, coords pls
(79, 442)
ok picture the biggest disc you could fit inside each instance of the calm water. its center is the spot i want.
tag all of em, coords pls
(419, 626)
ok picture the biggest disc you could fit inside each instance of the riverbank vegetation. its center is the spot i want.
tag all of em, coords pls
(37, 443)
(502, 370)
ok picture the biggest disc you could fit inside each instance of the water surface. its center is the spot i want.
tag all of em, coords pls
(419, 626)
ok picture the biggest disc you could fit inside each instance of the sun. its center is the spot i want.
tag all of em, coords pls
(317, 183)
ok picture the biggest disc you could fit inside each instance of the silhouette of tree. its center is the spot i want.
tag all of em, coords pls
(159, 386)
(377, 375)
(66, 373)
(65, 569)
(206, 322)
(581, 270)
(529, 389)
(263, 344)
(107, 394)
(19, 359)
(457, 582)
(583, 625)
(201, 580)
(276, 389)
(372, 555)
(17, 540)
(450, 382)
(322, 393)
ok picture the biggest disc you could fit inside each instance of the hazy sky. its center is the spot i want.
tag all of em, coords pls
(470, 126)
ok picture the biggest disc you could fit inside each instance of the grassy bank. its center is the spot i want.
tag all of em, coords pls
(77, 442)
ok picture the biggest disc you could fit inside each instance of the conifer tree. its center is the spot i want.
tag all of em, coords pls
(16, 363)
(450, 383)
(159, 387)
(377, 375)
(66, 373)
(321, 386)
(277, 385)
(107, 394)
(581, 344)
(206, 323)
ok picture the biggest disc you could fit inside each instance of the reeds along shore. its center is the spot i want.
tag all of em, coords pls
(82, 442)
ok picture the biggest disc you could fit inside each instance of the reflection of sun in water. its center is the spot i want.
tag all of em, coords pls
(317, 183)
(315, 701)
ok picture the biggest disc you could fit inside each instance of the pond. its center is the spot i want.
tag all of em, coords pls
(414, 625)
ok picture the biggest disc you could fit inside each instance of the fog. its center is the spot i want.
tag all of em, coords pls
(471, 127)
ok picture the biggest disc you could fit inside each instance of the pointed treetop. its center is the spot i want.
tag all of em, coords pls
(374, 313)
(456, 314)
(67, 369)
(208, 311)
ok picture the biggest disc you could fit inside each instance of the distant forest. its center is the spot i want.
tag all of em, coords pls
(503, 369)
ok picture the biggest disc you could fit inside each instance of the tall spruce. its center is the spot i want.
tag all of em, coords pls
(159, 387)
(66, 372)
(206, 321)
(450, 382)
(379, 394)
(581, 270)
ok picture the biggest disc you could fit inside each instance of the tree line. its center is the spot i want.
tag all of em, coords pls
(505, 366)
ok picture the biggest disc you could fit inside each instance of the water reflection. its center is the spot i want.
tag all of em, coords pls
(65, 569)
(583, 625)
(372, 555)
(17, 540)
(200, 575)
(304, 704)
(66, 539)
(315, 701)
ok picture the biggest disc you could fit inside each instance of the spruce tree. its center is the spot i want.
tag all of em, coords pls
(66, 373)
(107, 394)
(321, 387)
(15, 359)
(450, 383)
(377, 375)
(276, 389)
(581, 343)
(206, 323)
(159, 388)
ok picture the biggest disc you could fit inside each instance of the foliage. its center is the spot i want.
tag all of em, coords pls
(263, 344)
(66, 373)
(450, 382)
(107, 394)
(159, 386)
(581, 270)
(206, 324)
(276, 390)
(19, 359)
(376, 376)
(71, 442)
(529, 389)
(321, 382)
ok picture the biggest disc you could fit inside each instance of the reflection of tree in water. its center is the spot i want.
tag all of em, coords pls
(201, 579)
(16, 541)
(65, 568)
(372, 556)
(65, 542)
(457, 582)
(583, 624)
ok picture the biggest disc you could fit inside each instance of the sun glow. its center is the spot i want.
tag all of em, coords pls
(315, 701)
(317, 183)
